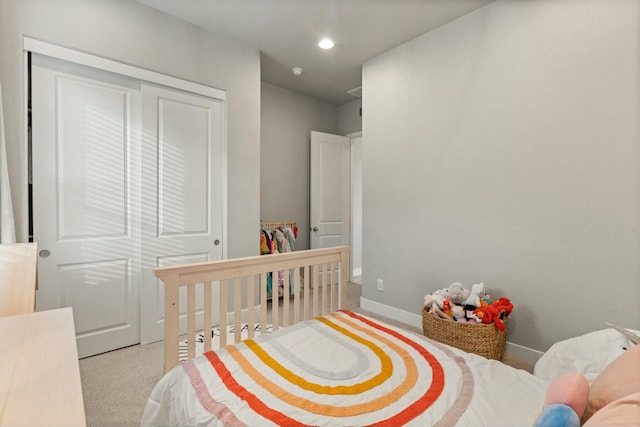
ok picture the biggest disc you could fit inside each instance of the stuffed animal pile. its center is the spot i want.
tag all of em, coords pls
(456, 303)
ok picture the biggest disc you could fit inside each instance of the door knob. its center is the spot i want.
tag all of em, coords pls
(315, 228)
(216, 242)
(44, 253)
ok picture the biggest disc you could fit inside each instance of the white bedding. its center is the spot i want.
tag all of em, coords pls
(344, 369)
(588, 354)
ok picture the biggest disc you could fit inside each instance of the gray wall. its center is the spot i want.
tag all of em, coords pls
(349, 119)
(504, 147)
(132, 33)
(287, 120)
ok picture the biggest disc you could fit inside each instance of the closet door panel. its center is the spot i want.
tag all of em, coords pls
(86, 149)
(183, 167)
(182, 191)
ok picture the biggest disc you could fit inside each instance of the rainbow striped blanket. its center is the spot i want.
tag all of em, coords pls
(343, 369)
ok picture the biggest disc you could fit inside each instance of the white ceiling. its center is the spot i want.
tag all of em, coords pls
(287, 33)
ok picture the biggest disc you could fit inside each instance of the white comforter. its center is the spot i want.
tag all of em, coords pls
(344, 369)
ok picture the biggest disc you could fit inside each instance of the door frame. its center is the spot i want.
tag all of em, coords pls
(353, 136)
(31, 45)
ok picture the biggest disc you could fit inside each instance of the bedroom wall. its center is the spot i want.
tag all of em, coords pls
(504, 148)
(135, 34)
(287, 120)
(349, 118)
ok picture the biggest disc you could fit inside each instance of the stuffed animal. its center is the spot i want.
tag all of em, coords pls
(565, 401)
(502, 304)
(486, 300)
(494, 312)
(458, 313)
(477, 290)
(435, 310)
(557, 415)
(446, 306)
(485, 315)
(458, 293)
(433, 299)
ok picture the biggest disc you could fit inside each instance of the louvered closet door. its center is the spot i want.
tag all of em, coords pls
(182, 192)
(86, 183)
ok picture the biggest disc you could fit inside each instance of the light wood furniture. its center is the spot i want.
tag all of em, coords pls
(39, 371)
(17, 278)
(322, 291)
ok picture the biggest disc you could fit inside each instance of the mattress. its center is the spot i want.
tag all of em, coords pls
(344, 369)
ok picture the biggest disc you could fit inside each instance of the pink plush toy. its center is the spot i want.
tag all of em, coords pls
(565, 401)
(570, 389)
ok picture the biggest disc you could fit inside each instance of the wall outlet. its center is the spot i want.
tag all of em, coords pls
(380, 285)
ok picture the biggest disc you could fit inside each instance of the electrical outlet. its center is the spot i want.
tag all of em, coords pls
(380, 285)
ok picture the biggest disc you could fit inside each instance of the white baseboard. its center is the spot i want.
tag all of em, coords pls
(244, 315)
(519, 352)
(526, 354)
(391, 312)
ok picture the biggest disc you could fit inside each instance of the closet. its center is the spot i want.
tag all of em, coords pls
(277, 237)
(128, 175)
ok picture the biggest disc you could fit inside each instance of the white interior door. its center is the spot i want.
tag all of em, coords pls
(330, 190)
(183, 181)
(86, 156)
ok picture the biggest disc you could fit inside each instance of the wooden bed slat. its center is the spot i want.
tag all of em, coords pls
(223, 312)
(334, 286)
(285, 299)
(207, 316)
(296, 295)
(251, 288)
(191, 320)
(345, 276)
(237, 310)
(263, 307)
(275, 286)
(304, 273)
(315, 284)
(321, 280)
(171, 300)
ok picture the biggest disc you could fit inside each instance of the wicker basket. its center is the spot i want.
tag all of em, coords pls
(485, 340)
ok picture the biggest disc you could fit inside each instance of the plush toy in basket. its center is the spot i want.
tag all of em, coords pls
(468, 319)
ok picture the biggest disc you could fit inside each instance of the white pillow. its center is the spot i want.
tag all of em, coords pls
(588, 354)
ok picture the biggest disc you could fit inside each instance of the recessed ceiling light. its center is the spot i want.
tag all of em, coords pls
(326, 44)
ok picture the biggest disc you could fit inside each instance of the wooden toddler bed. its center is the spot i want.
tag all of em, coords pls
(330, 366)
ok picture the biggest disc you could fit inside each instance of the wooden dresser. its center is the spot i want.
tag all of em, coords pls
(39, 370)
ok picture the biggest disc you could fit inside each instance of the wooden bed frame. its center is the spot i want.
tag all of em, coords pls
(314, 281)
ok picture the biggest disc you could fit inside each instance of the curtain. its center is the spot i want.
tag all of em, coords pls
(7, 225)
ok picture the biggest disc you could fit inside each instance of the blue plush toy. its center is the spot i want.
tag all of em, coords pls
(565, 401)
(557, 415)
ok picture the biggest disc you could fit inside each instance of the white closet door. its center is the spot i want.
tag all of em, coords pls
(182, 192)
(86, 156)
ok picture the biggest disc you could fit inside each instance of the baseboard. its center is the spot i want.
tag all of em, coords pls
(391, 312)
(526, 354)
(517, 351)
(244, 315)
